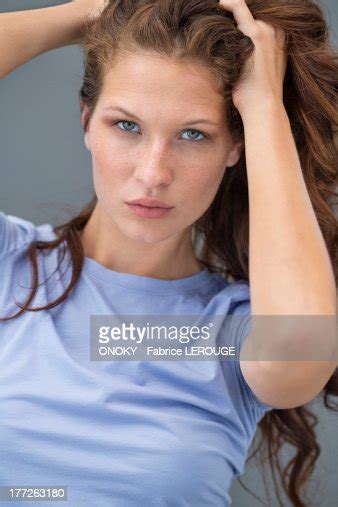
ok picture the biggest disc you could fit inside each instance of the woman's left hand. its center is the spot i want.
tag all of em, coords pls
(263, 74)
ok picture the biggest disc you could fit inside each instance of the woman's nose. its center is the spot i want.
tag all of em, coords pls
(153, 168)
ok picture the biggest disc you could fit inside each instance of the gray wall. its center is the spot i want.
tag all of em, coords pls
(46, 175)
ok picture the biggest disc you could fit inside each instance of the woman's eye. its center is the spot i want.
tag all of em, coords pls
(127, 122)
(132, 123)
(194, 138)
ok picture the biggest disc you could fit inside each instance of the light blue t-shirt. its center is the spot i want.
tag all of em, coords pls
(116, 433)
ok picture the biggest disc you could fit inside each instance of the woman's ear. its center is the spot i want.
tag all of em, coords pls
(85, 123)
(235, 153)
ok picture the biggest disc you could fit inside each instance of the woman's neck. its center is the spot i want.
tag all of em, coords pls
(170, 259)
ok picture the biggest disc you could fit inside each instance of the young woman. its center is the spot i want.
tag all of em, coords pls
(223, 113)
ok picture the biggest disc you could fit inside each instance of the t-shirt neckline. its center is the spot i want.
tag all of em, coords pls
(145, 283)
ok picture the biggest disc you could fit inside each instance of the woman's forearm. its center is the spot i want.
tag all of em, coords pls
(290, 268)
(290, 273)
(26, 34)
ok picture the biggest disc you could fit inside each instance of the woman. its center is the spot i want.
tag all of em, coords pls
(235, 74)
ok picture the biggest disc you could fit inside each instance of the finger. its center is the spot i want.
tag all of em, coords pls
(242, 14)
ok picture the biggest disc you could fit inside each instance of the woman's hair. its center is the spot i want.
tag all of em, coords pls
(201, 31)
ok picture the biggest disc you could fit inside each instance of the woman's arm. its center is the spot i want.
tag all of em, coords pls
(290, 272)
(290, 268)
(26, 34)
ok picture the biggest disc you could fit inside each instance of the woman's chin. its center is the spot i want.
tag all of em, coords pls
(148, 233)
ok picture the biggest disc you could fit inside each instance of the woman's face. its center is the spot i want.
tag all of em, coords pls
(159, 147)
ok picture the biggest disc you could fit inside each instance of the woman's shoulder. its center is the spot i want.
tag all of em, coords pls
(235, 294)
(17, 232)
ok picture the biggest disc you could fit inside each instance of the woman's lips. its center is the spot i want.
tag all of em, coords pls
(149, 212)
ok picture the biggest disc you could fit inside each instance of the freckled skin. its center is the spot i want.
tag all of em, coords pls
(160, 158)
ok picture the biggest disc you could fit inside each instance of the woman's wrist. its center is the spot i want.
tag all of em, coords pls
(63, 24)
(67, 20)
(261, 109)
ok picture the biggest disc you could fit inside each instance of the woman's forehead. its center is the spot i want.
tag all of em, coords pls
(157, 81)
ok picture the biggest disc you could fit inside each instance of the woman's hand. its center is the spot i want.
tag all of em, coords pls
(92, 8)
(263, 74)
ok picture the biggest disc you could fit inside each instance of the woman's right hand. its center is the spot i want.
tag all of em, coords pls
(92, 8)
(27, 34)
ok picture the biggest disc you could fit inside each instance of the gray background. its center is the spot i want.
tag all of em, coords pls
(46, 176)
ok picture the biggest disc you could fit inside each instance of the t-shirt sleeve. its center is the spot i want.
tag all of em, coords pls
(14, 233)
(243, 326)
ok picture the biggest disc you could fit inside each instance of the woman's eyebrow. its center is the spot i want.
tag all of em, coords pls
(192, 122)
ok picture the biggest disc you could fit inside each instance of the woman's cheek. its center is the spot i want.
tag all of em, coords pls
(207, 178)
(110, 159)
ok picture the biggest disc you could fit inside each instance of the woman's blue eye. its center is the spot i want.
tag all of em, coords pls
(126, 121)
(188, 130)
(196, 131)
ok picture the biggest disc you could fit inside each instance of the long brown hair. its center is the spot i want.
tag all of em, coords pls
(202, 31)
